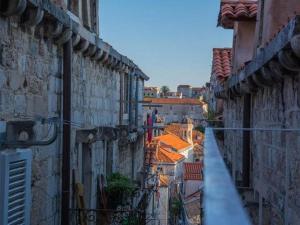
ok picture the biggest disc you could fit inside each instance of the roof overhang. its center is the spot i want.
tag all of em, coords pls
(279, 59)
(231, 11)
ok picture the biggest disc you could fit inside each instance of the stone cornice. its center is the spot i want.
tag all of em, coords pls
(279, 59)
(60, 26)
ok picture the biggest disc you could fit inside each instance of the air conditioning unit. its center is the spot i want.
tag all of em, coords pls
(15, 186)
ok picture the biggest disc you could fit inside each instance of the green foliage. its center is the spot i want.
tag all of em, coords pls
(119, 184)
(119, 188)
(131, 220)
(164, 90)
(176, 206)
(210, 115)
(200, 129)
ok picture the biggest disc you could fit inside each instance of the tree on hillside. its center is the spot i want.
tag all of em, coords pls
(164, 90)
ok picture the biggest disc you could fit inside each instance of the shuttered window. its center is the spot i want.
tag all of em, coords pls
(15, 180)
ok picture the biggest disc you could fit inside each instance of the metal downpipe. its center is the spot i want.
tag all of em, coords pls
(67, 73)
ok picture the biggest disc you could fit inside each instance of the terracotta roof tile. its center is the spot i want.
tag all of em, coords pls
(164, 180)
(174, 101)
(168, 156)
(171, 140)
(150, 153)
(236, 11)
(155, 153)
(173, 128)
(192, 171)
(221, 66)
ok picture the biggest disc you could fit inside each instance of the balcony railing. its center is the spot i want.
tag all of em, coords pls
(222, 204)
(107, 217)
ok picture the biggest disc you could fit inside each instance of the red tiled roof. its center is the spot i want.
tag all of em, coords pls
(165, 155)
(173, 128)
(150, 153)
(192, 171)
(221, 67)
(163, 180)
(155, 153)
(174, 101)
(173, 141)
(236, 11)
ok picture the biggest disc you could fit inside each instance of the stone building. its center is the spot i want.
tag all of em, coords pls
(198, 92)
(173, 94)
(152, 92)
(262, 93)
(163, 169)
(71, 99)
(186, 90)
(174, 110)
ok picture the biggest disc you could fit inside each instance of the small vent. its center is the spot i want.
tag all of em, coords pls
(15, 184)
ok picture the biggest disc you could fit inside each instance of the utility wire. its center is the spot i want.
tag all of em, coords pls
(257, 129)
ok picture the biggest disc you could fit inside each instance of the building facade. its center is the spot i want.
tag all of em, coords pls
(73, 99)
(262, 93)
(151, 92)
(176, 110)
(186, 90)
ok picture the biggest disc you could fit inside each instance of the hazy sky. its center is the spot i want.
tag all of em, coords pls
(170, 40)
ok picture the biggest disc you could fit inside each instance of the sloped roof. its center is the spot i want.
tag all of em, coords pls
(192, 171)
(165, 155)
(174, 101)
(164, 180)
(221, 66)
(155, 153)
(150, 153)
(173, 141)
(173, 128)
(241, 10)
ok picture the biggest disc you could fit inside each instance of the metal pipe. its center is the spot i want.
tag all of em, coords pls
(246, 140)
(16, 144)
(130, 101)
(121, 99)
(67, 72)
(137, 102)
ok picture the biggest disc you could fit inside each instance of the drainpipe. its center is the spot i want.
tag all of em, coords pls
(121, 99)
(246, 140)
(137, 102)
(67, 72)
(130, 101)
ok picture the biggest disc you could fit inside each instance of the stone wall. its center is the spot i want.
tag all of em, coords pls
(233, 118)
(30, 87)
(275, 164)
(276, 161)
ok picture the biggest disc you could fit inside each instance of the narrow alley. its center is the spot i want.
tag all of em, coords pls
(149, 113)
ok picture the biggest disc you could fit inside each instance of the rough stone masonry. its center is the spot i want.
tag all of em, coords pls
(31, 68)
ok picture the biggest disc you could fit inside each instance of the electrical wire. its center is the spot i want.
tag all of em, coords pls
(257, 129)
